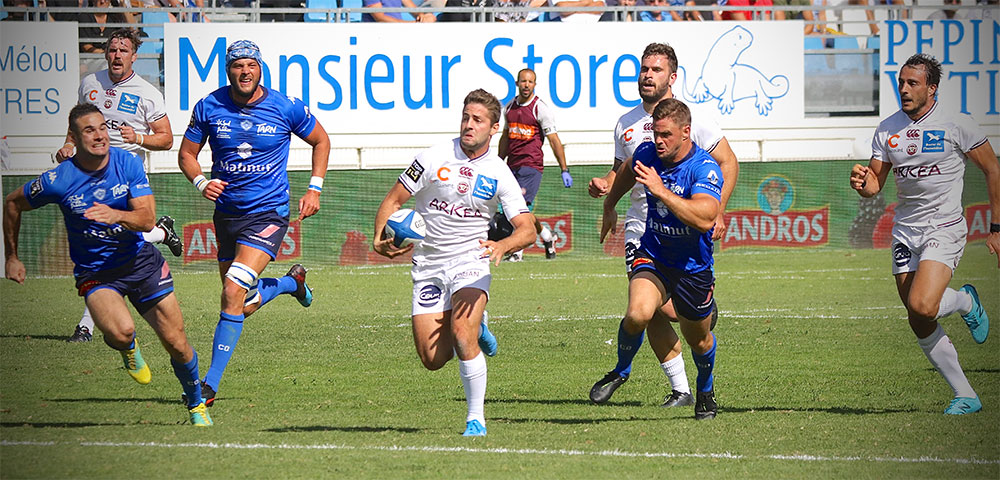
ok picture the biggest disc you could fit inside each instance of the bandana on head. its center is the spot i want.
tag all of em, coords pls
(243, 49)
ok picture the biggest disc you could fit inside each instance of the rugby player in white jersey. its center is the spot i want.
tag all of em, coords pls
(457, 187)
(657, 73)
(136, 117)
(925, 147)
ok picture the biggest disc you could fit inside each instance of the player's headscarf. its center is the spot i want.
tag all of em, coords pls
(243, 49)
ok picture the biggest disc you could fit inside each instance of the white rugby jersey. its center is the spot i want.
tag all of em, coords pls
(928, 161)
(457, 196)
(636, 127)
(132, 101)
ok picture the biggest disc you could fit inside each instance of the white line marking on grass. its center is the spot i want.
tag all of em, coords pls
(515, 451)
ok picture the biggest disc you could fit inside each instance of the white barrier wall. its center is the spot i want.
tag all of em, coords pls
(39, 76)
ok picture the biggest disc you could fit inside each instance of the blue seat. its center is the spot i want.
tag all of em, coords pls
(353, 16)
(317, 16)
(873, 43)
(849, 63)
(814, 63)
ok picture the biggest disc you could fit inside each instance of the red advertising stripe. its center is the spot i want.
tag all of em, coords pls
(752, 228)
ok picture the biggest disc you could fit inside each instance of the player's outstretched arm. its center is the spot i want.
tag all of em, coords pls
(624, 180)
(599, 186)
(14, 204)
(985, 158)
(730, 166)
(397, 196)
(868, 181)
(187, 160)
(320, 142)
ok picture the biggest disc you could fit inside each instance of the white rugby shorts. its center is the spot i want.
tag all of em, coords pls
(943, 243)
(433, 285)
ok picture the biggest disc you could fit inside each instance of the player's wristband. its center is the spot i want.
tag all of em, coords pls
(200, 183)
(139, 138)
(995, 228)
(316, 184)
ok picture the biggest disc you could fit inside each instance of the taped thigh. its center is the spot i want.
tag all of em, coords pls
(245, 277)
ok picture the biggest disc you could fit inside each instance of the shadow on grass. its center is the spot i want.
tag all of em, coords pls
(61, 338)
(574, 421)
(557, 401)
(327, 428)
(58, 424)
(835, 410)
(165, 401)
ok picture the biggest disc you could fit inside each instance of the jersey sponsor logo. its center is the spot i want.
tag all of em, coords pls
(120, 190)
(901, 254)
(668, 230)
(240, 167)
(92, 95)
(465, 172)
(129, 103)
(100, 193)
(191, 122)
(246, 124)
(112, 231)
(454, 209)
(76, 203)
(713, 177)
(107, 104)
(52, 176)
(222, 126)
(429, 296)
(913, 133)
(486, 187)
(268, 231)
(921, 171)
(933, 141)
(442, 174)
(35, 188)
(415, 171)
(110, 92)
(641, 261)
(627, 136)
(266, 130)
(468, 274)
(911, 149)
(463, 187)
(521, 131)
(244, 150)
(893, 141)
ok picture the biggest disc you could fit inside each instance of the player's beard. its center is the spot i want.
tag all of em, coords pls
(658, 94)
(240, 94)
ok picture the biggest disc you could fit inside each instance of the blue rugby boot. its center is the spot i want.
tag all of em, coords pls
(474, 429)
(976, 320)
(487, 341)
(963, 405)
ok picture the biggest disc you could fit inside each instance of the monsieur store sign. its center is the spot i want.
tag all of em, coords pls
(371, 78)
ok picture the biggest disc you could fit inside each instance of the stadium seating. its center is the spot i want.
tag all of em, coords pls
(814, 63)
(353, 16)
(319, 16)
(848, 63)
(149, 68)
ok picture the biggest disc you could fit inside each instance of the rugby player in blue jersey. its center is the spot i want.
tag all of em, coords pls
(106, 203)
(249, 128)
(683, 186)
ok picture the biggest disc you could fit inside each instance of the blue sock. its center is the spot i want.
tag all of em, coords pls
(628, 346)
(227, 333)
(269, 288)
(187, 373)
(705, 364)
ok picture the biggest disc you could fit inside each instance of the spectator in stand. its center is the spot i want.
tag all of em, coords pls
(577, 17)
(628, 15)
(745, 15)
(870, 14)
(101, 30)
(393, 16)
(702, 15)
(806, 15)
(661, 14)
(516, 16)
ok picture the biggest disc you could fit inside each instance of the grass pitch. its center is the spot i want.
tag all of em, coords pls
(817, 375)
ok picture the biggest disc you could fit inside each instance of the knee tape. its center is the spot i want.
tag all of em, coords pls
(245, 277)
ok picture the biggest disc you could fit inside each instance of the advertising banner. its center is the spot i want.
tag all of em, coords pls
(969, 53)
(365, 78)
(39, 76)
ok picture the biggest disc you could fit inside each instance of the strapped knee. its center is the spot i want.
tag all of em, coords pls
(245, 277)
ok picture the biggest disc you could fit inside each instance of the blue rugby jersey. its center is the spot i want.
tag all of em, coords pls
(94, 246)
(250, 147)
(667, 239)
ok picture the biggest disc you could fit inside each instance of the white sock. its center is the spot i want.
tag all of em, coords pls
(473, 373)
(87, 320)
(156, 235)
(674, 368)
(546, 234)
(942, 354)
(954, 301)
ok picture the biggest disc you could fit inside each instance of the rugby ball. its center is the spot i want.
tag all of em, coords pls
(405, 227)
